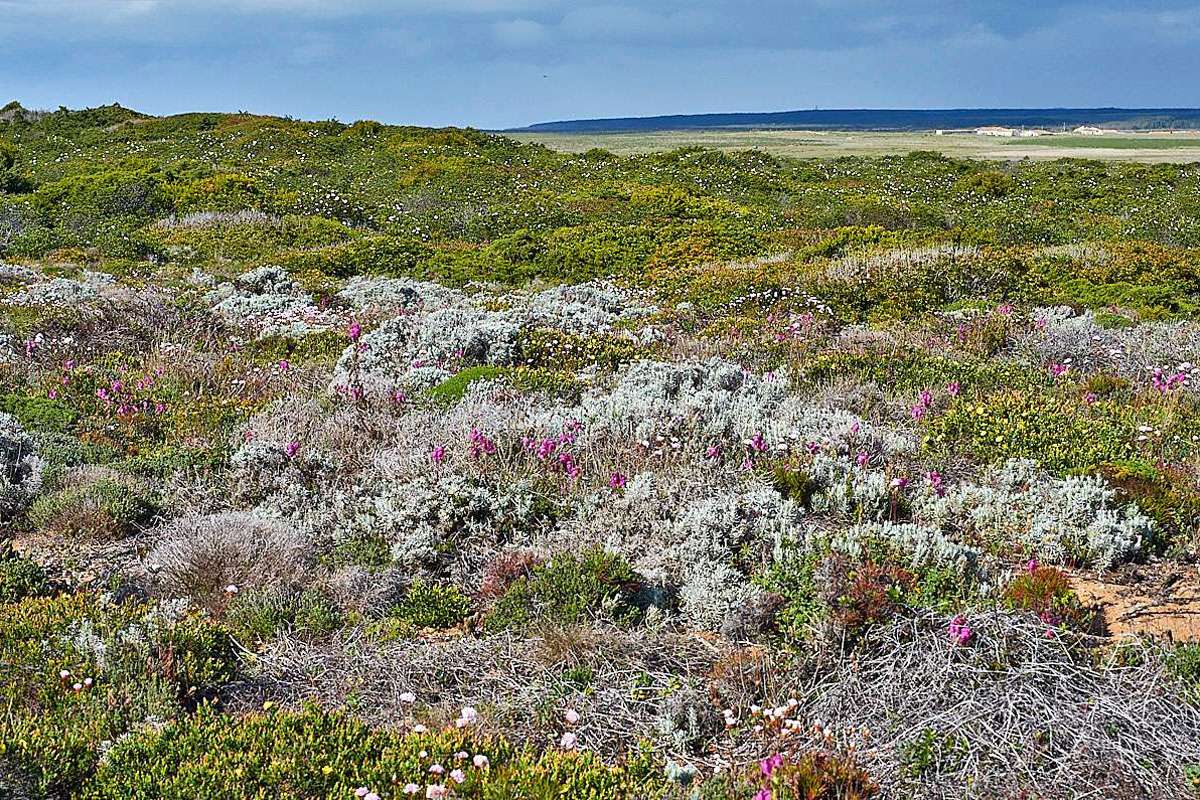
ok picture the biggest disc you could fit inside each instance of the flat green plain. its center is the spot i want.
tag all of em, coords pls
(1145, 147)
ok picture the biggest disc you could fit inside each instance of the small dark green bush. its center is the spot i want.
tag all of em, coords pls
(1183, 663)
(569, 589)
(256, 616)
(428, 605)
(21, 578)
(104, 509)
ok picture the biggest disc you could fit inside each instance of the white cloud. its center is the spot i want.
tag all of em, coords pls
(519, 33)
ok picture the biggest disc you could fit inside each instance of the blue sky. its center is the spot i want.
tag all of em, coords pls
(500, 63)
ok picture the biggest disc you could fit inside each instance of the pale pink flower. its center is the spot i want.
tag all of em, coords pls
(480, 761)
(568, 741)
(411, 788)
(457, 775)
(572, 716)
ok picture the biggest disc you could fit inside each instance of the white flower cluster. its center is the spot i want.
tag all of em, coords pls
(1133, 352)
(20, 467)
(14, 273)
(399, 294)
(55, 292)
(268, 302)
(586, 308)
(1061, 520)
(420, 350)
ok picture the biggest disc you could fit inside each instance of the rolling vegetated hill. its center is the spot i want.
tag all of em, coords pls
(371, 461)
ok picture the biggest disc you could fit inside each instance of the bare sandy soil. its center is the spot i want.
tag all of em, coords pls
(1159, 602)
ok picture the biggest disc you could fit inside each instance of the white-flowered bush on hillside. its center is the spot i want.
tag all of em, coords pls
(420, 350)
(437, 519)
(1134, 352)
(918, 547)
(587, 308)
(713, 400)
(267, 301)
(1073, 520)
(399, 295)
(20, 467)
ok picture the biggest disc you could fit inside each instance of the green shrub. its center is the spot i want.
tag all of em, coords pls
(257, 616)
(1057, 432)
(314, 755)
(820, 776)
(143, 665)
(932, 753)
(39, 414)
(793, 577)
(21, 578)
(428, 605)
(104, 509)
(1164, 494)
(451, 390)
(569, 589)
(361, 551)
(1183, 663)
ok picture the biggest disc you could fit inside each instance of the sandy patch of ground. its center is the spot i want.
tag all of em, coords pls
(1159, 603)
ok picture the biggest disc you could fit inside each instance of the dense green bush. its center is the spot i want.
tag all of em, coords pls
(21, 578)
(428, 605)
(310, 755)
(529, 379)
(254, 617)
(132, 663)
(1057, 432)
(104, 509)
(569, 589)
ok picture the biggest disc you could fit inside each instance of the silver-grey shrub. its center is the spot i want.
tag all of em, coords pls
(198, 557)
(20, 468)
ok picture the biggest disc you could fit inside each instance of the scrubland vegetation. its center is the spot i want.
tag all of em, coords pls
(363, 461)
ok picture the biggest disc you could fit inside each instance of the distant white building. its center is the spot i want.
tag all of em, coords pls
(1090, 130)
(995, 130)
(1028, 132)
